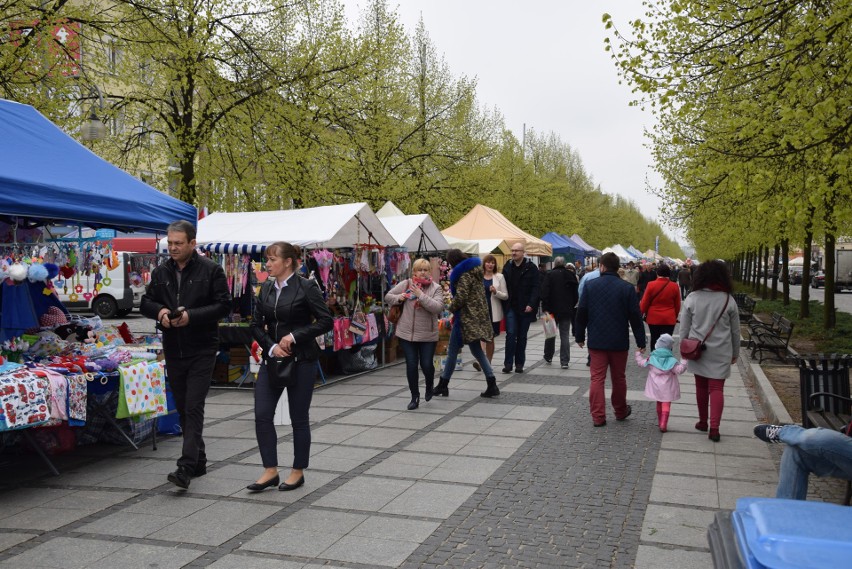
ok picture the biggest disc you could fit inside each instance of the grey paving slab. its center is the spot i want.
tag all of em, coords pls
(491, 410)
(65, 553)
(746, 468)
(440, 405)
(650, 557)
(216, 524)
(171, 505)
(221, 449)
(469, 425)
(368, 417)
(289, 541)
(411, 420)
(216, 411)
(90, 500)
(319, 414)
(466, 470)
(685, 490)
(449, 443)
(240, 472)
(8, 540)
(394, 528)
(493, 447)
(285, 452)
(682, 526)
(340, 458)
(731, 490)
(513, 428)
(145, 556)
(429, 500)
(408, 465)
(335, 433)
(365, 493)
(128, 524)
(43, 519)
(209, 485)
(319, 520)
(241, 428)
(380, 437)
(248, 561)
(370, 551)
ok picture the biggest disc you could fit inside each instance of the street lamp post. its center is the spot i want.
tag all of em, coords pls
(93, 128)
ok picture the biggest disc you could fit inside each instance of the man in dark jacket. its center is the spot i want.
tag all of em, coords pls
(522, 281)
(649, 275)
(559, 297)
(187, 296)
(606, 307)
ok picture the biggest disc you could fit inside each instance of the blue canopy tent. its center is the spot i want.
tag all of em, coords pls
(564, 247)
(635, 252)
(47, 177)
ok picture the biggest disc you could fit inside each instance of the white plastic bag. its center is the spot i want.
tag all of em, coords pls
(549, 323)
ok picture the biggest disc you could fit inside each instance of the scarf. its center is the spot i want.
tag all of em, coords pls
(662, 359)
(424, 283)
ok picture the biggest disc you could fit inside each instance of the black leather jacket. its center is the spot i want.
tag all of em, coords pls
(299, 309)
(203, 292)
(527, 291)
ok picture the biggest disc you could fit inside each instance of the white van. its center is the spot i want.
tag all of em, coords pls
(121, 288)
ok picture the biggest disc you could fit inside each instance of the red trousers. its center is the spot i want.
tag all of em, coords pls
(616, 362)
(709, 390)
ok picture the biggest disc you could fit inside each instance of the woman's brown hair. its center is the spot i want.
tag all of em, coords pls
(285, 251)
(489, 259)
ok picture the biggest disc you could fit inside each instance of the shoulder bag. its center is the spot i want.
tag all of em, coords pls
(691, 348)
(651, 302)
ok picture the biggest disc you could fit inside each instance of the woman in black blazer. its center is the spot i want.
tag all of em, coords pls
(289, 313)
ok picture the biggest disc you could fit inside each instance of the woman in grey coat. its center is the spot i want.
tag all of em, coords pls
(711, 299)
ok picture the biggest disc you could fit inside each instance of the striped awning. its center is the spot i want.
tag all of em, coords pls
(234, 248)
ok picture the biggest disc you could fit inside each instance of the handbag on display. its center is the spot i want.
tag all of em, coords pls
(691, 348)
(281, 371)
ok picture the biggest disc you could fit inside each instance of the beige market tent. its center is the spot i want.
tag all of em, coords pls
(485, 224)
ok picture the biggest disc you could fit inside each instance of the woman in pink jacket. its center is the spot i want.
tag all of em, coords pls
(417, 329)
(662, 384)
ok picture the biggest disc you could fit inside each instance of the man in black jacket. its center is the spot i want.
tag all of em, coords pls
(522, 281)
(559, 297)
(187, 296)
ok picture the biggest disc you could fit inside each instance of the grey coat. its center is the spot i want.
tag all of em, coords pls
(697, 315)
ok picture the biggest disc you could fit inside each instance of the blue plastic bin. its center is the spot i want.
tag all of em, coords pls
(792, 534)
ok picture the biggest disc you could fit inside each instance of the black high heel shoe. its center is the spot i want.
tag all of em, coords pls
(286, 487)
(261, 486)
(415, 403)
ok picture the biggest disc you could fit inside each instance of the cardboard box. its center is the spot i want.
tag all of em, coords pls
(239, 356)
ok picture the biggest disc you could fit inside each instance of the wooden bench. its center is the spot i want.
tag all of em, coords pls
(825, 395)
(775, 341)
(755, 325)
(746, 308)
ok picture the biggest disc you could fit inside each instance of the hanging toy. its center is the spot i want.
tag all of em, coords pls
(111, 261)
(17, 272)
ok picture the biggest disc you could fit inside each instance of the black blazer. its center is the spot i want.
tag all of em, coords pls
(300, 310)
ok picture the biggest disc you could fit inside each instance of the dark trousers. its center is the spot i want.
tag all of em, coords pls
(658, 330)
(299, 397)
(563, 321)
(422, 353)
(517, 327)
(190, 379)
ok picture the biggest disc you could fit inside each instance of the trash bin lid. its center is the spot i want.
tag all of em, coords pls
(794, 534)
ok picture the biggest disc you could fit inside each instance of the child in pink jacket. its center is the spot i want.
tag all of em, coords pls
(662, 384)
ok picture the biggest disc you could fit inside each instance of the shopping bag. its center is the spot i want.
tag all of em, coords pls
(549, 323)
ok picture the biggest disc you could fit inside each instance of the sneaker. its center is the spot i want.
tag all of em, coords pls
(564, 366)
(476, 366)
(768, 433)
(180, 477)
(507, 370)
(548, 362)
(519, 370)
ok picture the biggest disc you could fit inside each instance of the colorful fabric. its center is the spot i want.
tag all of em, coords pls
(143, 390)
(53, 318)
(23, 400)
(77, 400)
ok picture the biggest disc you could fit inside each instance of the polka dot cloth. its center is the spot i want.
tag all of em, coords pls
(145, 388)
(52, 318)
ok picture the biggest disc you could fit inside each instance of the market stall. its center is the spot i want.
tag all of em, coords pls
(59, 371)
(563, 246)
(485, 225)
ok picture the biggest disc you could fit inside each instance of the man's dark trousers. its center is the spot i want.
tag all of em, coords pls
(189, 378)
(517, 327)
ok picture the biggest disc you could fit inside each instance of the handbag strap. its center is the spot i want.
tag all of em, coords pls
(651, 302)
(727, 300)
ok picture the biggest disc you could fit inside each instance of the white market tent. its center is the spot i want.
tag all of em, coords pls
(479, 246)
(620, 252)
(417, 233)
(389, 210)
(333, 226)
(651, 254)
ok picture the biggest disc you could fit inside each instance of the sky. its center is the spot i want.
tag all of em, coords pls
(542, 63)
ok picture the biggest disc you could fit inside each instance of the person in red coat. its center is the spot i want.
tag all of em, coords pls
(661, 304)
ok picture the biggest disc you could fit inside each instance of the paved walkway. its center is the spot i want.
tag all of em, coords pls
(522, 480)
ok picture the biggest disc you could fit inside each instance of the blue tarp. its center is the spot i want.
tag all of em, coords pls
(562, 245)
(48, 177)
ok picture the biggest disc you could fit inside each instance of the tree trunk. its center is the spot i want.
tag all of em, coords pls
(785, 253)
(830, 258)
(804, 309)
(775, 263)
(765, 292)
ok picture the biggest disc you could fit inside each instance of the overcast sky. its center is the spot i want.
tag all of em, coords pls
(542, 63)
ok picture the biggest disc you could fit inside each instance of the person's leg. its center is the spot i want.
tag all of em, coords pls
(299, 396)
(716, 389)
(564, 339)
(412, 373)
(511, 339)
(453, 349)
(618, 376)
(702, 399)
(549, 349)
(489, 350)
(265, 401)
(666, 407)
(655, 335)
(597, 395)
(176, 375)
(479, 355)
(426, 355)
(819, 451)
(523, 328)
(198, 377)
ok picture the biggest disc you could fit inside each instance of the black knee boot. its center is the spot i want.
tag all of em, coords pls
(430, 388)
(491, 390)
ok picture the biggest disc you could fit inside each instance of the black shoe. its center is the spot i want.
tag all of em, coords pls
(601, 424)
(180, 477)
(261, 486)
(287, 487)
(629, 411)
(415, 403)
(442, 389)
(491, 390)
(547, 361)
(476, 366)
(430, 389)
(199, 471)
(507, 369)
(519, 370)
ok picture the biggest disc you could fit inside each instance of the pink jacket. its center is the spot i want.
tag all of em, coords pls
(419, 320)
(661, 385)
